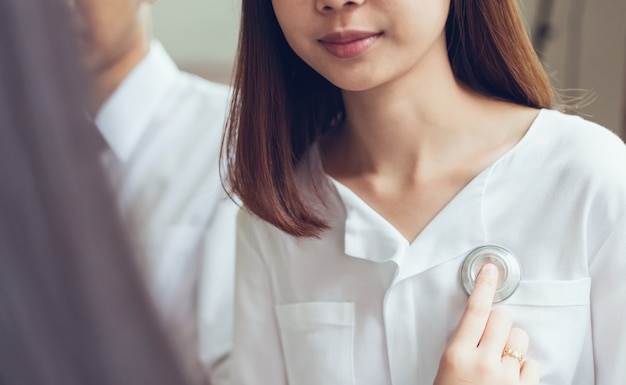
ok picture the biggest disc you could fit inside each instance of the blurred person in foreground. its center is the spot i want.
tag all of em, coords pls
(163, 132)
(73, 306)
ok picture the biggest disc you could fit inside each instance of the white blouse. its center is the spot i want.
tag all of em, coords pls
(363, 306)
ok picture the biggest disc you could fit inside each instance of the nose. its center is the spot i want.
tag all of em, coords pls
(326, 6)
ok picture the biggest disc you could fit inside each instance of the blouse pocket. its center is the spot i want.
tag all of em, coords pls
(552, 293)
(556, 315)
(318, 342)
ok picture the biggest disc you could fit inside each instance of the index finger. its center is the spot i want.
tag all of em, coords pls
(474, 319)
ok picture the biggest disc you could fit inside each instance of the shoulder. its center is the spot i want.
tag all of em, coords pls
(567, 158)
(202, 88)
(583, 160)
(585, 139)
(205, 87)
(566, 176)
(581, 146)
(196, 107)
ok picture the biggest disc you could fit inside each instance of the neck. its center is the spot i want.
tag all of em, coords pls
(106, 80)
(420, 124)
(411, 120)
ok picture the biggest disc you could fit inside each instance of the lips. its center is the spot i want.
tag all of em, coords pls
(349, 44)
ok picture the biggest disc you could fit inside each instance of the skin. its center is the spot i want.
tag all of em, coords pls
(114, 37)
(474, 354)
(422, 33)
(413, 138)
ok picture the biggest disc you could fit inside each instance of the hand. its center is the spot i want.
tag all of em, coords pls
(474, 355)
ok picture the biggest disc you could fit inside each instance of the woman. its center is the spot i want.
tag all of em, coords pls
(74, 310)
(375, 144)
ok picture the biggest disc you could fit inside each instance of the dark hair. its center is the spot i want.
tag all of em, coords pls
(73, 308)
(281, 105)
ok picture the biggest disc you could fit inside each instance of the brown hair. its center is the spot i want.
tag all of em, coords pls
(281, 106)
(489, 51)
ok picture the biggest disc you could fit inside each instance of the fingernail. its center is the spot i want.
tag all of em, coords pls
(489, 270)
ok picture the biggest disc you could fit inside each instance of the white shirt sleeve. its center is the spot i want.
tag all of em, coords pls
(257, 357)
(608, 308)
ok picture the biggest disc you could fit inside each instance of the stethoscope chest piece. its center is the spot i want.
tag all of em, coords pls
(508, 265)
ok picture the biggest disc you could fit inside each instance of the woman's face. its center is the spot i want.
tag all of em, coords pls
(360, 44)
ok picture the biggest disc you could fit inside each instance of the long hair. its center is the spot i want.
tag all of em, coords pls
(281, 105)
(491, 53)
(73, 307)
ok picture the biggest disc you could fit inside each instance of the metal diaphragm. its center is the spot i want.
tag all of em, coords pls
(509, 270)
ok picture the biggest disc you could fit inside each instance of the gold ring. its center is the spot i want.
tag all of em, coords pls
(513, 353)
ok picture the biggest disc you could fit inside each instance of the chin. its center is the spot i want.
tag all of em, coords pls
(353, 79)
(355, 85)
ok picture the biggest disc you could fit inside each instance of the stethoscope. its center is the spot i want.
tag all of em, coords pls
(509, 269)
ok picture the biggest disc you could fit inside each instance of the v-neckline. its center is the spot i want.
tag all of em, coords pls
(369, 235)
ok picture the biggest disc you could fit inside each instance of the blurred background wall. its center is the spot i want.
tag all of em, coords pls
(583, 46)
(582, 43)
(201, 35)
